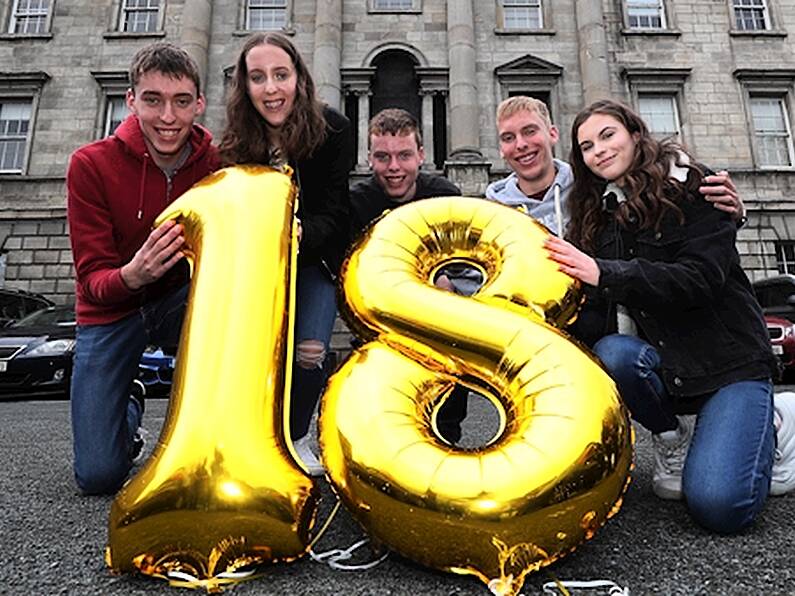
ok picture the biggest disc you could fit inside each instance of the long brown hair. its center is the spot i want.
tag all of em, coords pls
(245, 139)
(651, 192)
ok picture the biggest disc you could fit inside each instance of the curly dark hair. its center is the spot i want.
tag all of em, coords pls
(651, 192)
(245, 139)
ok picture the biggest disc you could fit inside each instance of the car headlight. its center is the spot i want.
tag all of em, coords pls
(54, 347)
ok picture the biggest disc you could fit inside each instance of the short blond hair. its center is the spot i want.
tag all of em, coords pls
(521, 103)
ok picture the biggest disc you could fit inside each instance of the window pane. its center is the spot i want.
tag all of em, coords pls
(785, 258)
(659, 112)
(14, 119)
(522, 14)
(140, 16)
(393, 4)
(29, 16)
(266, 15)
(771, 127)
(749, 15)
(645, 14)
(115, 114)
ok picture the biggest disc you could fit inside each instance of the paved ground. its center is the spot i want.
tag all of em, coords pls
(53, 539)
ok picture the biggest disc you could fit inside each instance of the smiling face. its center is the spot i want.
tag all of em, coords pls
(608, 148)
(166, 107)
(526, 143)
(396, 161)
(271, 83)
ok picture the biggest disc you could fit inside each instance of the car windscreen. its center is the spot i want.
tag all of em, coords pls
(47, 316)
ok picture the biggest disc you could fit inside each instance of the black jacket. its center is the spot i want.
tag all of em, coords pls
(685, 289)
(369, 201)
(323, 204)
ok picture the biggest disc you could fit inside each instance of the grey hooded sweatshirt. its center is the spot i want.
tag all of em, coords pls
(507, 192)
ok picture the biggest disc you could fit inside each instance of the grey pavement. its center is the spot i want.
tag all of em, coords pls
(53, 538)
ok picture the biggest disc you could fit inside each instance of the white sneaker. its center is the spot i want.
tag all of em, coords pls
(139, 442)
(670, 452)
(310, 460)
(782, 479)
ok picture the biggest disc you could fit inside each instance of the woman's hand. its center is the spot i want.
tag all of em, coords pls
(572, 260)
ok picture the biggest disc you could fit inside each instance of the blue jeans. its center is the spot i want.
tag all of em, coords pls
(726, 477)
(316, 310)
(104, 418)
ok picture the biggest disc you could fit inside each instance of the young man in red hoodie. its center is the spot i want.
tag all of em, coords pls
(131, 280)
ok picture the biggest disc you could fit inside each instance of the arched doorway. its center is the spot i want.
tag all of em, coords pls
(395, 84)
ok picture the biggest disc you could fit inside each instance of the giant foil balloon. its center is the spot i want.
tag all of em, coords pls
(559, 464)
(222, 489)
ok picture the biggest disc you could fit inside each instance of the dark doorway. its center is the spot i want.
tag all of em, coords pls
(395, 84)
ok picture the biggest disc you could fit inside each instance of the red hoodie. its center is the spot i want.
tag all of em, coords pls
(115, 192)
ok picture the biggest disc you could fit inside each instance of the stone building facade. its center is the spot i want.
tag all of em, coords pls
(720, 74)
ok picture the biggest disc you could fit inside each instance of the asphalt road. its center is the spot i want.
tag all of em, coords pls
(53, 539)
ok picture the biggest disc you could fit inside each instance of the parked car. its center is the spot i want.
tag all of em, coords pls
(782, 340)
(156, 371)
(776, 295)
(17, 304)
(36, 355)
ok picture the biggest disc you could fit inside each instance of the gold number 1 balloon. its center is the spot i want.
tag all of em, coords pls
(559, 464)
(221, 490)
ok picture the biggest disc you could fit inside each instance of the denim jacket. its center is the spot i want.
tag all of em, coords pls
(688, 295)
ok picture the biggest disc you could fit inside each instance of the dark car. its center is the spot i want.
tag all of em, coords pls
(782, 340)
(776, 295)
(36, 353)
(17, 304)
(36, 357)
(156, 371)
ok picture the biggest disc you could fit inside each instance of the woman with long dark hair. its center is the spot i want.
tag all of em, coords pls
(274, 118)
(673, 318)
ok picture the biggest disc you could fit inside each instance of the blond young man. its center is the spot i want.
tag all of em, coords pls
(527, 139)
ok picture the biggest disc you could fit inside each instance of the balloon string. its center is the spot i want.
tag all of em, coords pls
(333, 557)
(326, 524)
(614, 588)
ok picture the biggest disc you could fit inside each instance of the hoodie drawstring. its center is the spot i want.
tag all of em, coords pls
(141, 191)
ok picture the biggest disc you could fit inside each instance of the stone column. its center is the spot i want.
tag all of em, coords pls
(357, 81)
(363, 125)
(195, 35)
(466, 166)
(427, 128)
(464, 110)
(592, 41)
(328, 46)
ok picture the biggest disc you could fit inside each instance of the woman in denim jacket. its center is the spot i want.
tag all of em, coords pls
(672, 316)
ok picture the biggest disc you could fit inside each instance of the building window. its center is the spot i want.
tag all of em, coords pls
(785, 259)
(29, 17)
(266, 15)
(750, 15)
(14, 131)
(645, 14)
(140, 16)
(115, 113)
(522, 14)
(394, 5)
(772, 131)
(660, 114)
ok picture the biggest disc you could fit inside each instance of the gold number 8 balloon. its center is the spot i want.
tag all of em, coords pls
(221, 490)
(559, 464)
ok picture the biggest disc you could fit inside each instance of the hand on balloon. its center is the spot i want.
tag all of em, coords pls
(443, 283)
(572, 260)
(159, 253)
